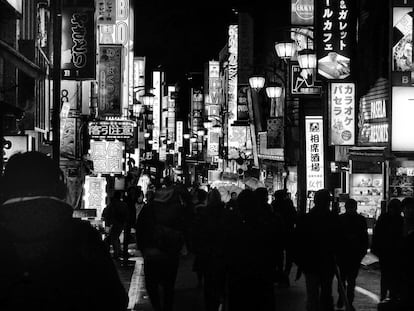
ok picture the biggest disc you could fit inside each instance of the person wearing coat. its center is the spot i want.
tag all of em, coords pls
(50, 260)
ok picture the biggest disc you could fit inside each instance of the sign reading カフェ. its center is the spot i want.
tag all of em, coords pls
(78, 43)
(111, 129)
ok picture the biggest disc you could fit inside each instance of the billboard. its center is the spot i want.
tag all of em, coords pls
(314, 153)
(402, 119)
(109, 95)
(372, 121)
(342, 114)
(107, 156)
(78, 60)
(302, 12)
(95, 194)
(336, 29)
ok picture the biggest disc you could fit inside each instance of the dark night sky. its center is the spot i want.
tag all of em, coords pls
(182, 37)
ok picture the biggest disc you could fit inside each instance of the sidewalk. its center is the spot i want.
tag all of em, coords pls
(189, 297)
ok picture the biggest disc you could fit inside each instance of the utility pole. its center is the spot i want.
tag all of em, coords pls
(57, 42)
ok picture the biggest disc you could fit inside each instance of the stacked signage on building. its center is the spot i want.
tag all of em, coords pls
(336, 27)
(156, 110)
(116, 28)
(314, 153)
(342, 114)
(171, 113)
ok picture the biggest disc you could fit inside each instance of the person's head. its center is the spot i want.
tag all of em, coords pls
(351, 206)
(280, 195)
(394, 207)
(261, 195)
(233, 195)
(246, 203)
(322, 199)
(201, 195)
(117, 195)
(408, 209)
(214, 198)
(33, 174)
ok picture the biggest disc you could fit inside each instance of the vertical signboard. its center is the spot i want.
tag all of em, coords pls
(372, 122)
(95, 194)
(336, 29)
(242, 105)
(402, 119)
(232, 80)
(156, 110)
(106, 10)
(107, 156)
(180, 133)
(302, 12)
(139, 76)
(314, 153)
(121, 32)
(213, 142)
(402, 44)
(342, 108)
(171, 113)
(109, 95)
(78, 61)
(68, 138)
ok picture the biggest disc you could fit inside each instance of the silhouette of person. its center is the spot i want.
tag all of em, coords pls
(50, 259)
(316, 235)
(353, 247)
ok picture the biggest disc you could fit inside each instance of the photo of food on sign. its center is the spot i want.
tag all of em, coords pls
(334, 66)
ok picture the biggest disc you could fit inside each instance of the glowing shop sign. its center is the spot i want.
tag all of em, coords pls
(95, 194)
(111, 129)
(402, 119)
(232, 91)
(107, 156)
(314, 153)
(342, 114)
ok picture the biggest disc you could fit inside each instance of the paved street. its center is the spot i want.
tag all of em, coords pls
(189, 297)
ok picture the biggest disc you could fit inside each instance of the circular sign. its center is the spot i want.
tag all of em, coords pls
(346, 135)
(304, 9)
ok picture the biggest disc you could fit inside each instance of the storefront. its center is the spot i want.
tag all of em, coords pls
(401, 178)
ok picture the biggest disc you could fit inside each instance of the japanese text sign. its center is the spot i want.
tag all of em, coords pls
(95, 194)
(106, 10)
(342, 113)
(109, 96)
(111, 129)
(314, 153)
(78, 43)
(336, 29)
(107, 156)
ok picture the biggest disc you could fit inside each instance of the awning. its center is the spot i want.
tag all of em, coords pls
(23, 63)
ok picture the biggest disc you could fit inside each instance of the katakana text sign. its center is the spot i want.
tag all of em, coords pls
(342, 114)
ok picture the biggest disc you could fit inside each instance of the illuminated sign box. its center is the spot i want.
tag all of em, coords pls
(107, 156)
(78, 60)
(95, 194)
(402, 119)
(302, 12)
(342, 114)
(111, 129)
(314, 153)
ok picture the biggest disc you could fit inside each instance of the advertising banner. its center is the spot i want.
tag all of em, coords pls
(275, 133)
(372, 122)
(114, 129)
(78, 60)
(302, 12)
(171, 113)
(106, 10)
(303, 81)
(180, 133)
(242, 105)
(107, 157)
(402, 119)
(95, 194)
(233, 67)
(68, 138)
(156, 109)
(342, 114)
(314, 153)
(402, 39)
(109, 95)
(336, 29)
(213, 142)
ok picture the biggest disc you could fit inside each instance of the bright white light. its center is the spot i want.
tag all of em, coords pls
(402, 118)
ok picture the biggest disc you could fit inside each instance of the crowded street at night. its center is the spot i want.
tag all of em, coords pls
(209, 156)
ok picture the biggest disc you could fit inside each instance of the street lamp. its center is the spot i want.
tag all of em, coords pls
(274, 92)
(148, 99)
(186, 136)
(285, 49)
(257, 83)
(307, 59)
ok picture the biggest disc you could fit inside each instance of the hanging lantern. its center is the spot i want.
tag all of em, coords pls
(274, 91)
(307, 59)
(285, 49)
(148, 99)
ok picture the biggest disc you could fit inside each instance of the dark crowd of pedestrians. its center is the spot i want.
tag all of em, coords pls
(242, 248)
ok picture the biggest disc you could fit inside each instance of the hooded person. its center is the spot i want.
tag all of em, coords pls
(49, 259)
